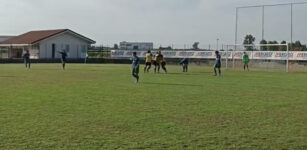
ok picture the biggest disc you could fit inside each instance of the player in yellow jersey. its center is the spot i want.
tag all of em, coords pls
(156, 62)
(148, 61)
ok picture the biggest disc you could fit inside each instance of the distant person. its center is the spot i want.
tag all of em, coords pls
(26, 58)
(63, 58)
(245, 61)
(148, 61)
(161, 62)
(135, 67)
(185, 64)
(217, 64)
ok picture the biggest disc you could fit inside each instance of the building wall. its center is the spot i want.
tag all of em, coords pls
(74, 46)
(136, 46)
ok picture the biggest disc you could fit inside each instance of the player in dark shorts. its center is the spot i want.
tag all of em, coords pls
(185, 64)
(163, 65)
(63, 58)
(217, 64)
(135, 67)
(148, 61)
(161, 62)
(27, 61)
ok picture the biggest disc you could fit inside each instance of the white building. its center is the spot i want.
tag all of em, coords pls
(46, 44)
(136, 46)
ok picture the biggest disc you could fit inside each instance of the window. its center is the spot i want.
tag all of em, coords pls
(67, 48)
(135, 47)
(83, 49)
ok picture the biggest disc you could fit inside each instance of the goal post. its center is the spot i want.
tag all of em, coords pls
(262, 56)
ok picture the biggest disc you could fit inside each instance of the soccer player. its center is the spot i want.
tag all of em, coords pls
(156, 63)
(135, 67)
(26, 58)
(148, 61)
(217, 64)
(161, 62)
(63, 58)
(163, 65)
(185, 64)
(245, 61)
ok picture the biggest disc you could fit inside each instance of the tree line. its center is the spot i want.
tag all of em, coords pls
(250, 40)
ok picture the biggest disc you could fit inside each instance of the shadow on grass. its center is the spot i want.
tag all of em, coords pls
(8, 76)
(172, 84)
(191, 74)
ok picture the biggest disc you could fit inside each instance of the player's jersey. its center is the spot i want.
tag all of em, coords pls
(26, 56)
(245, 58)
(184, 61)
(148, 57)
(159, 58)
(63, 55)
(135, 61)
(218, 59)
(154, 58)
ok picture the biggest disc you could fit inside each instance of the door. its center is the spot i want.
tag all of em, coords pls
(53, 51)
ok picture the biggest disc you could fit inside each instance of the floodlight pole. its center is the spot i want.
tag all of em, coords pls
(291, 23)
(287, 65)
(236, 37)
(263, 22)
(217, 44)
(226, 57)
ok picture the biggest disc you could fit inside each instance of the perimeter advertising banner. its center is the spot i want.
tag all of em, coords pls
(261, 55)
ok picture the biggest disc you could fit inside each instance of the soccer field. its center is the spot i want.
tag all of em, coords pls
(100, 107)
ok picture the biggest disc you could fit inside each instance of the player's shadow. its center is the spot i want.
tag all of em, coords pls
(172, 84)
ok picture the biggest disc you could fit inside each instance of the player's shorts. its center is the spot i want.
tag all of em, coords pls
(217, 66)
(136, 69)
(63, 60)
(163, 63)
(156, 63)
(148, 63)
(27, 60)
(245, 62)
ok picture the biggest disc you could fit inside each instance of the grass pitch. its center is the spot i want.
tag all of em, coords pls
(100, 107)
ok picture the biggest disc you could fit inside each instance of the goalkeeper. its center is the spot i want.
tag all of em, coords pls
(245, 60)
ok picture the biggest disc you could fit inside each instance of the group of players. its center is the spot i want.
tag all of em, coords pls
(159, 61)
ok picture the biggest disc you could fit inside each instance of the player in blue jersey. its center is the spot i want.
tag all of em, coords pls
(135, 67)
(185, 64)
(217, 64)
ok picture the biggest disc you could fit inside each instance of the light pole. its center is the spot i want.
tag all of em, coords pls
(217, 44)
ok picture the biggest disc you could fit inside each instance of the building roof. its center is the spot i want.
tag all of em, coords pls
(33, 37)
(4, 38)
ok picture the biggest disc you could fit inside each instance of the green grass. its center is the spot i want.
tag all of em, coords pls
(100, 107)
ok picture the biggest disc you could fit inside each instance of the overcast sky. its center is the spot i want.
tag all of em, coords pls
(164, 22)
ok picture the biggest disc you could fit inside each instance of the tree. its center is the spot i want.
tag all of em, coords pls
(116, 46)
(263, 48)
(273, 47)
(195, 45)
(249, 40)
(282, 47)
(297, 46)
